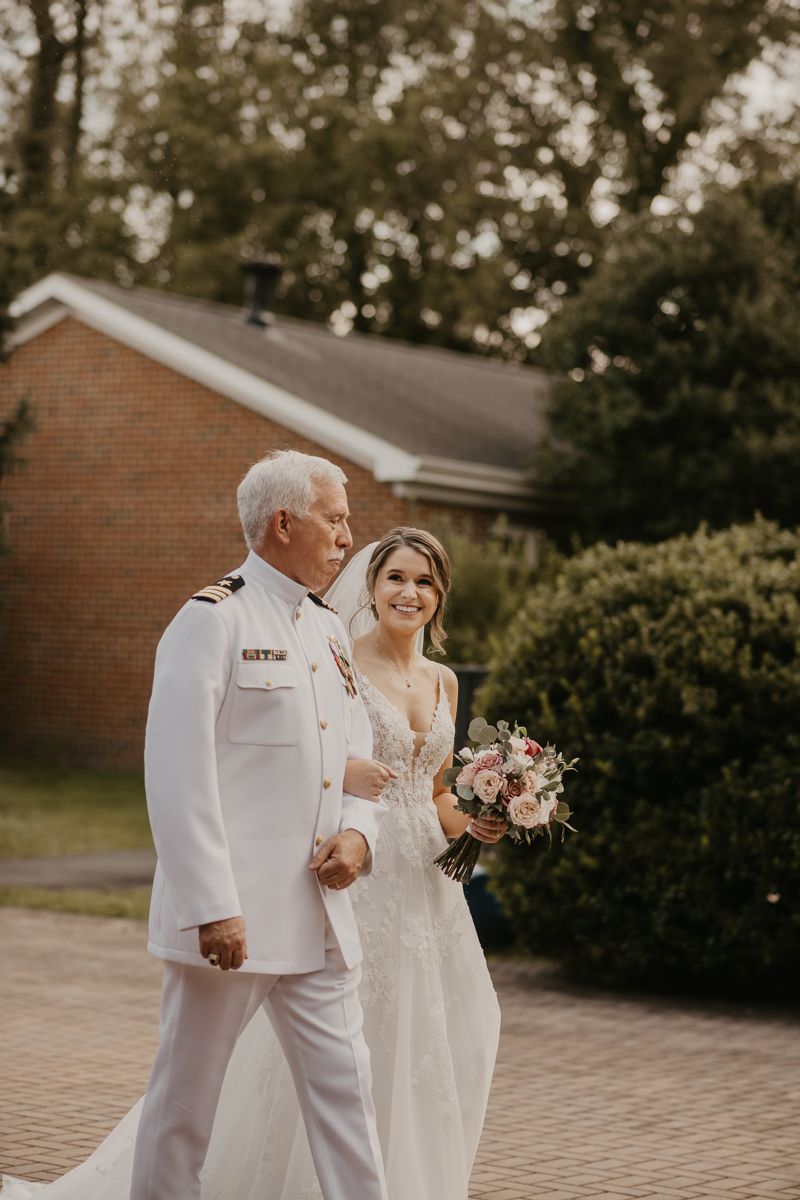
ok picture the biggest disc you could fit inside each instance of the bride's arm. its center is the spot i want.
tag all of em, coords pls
(366, 777)
(453, 822)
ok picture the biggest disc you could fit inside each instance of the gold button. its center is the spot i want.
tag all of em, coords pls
(313, 666)
(319, 840)
(326, 783)
(297, 615)
(269, 683)
(324, 723)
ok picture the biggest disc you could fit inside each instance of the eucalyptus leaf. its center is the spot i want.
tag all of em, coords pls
(487, 735)
(466, 793)
(450, 776)
(475, 727)
(470, 807)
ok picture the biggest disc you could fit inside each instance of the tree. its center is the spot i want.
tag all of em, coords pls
(679, 399)
(432, 172)
(53, 212)
(673, 672)
(440, 172)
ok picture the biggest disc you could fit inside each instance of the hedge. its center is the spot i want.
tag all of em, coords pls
(673, 672)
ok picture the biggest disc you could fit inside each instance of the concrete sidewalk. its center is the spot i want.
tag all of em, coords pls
(107, 869)
(596, 1096)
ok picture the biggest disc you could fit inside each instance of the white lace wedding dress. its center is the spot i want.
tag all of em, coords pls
(431, 1021)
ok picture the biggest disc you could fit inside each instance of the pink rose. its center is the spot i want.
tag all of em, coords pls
(467, 774)
(525, 810)
(486, 785)
(488, 760)
(513, 787)
(533, 748)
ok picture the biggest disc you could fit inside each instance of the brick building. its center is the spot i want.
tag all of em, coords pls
(149, 409)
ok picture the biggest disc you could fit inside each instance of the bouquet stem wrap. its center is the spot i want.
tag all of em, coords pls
(460, 858)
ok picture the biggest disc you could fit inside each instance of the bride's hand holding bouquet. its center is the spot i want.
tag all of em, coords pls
(510, 780)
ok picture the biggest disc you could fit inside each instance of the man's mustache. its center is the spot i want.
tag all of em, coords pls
(336, 557)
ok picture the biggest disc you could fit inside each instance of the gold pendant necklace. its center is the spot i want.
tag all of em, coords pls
(406, 678)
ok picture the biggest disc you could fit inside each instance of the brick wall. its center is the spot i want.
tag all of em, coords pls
(126, 506)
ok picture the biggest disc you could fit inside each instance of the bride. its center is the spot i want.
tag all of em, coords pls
(431, 1017)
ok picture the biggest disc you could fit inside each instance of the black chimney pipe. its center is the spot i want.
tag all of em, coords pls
(261, 277)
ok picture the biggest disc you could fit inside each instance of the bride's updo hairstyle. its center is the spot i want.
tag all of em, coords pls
(425, 543)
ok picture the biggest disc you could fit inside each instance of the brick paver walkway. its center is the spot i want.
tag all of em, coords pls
(595, 1095)
(79, 1000)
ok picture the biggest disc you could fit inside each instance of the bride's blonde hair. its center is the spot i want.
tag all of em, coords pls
(425, 543)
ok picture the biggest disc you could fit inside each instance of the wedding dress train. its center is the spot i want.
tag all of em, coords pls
(431, 1021)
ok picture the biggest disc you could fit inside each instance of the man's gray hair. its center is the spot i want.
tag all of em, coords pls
(284, 479)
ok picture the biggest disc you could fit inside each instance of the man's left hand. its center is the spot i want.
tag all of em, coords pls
(338, 862)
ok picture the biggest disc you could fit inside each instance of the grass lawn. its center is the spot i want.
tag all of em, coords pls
(128, 902)
(47, 811)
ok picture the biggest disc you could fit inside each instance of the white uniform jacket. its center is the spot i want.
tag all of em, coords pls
(249, 729)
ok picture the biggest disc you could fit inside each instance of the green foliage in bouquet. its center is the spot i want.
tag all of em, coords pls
(673, 670)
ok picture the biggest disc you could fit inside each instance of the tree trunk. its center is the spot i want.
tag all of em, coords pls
(79, 49)
(36, 147)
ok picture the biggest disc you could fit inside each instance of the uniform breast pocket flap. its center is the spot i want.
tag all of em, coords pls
(266, 706)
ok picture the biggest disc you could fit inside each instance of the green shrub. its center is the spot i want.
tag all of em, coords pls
(673, 671)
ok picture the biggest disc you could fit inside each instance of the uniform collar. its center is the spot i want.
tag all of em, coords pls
(275, 581)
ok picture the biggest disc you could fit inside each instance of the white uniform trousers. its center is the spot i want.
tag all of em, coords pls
(318, 1020)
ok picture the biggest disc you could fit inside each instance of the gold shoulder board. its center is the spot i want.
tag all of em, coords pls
(221, 590)
(318, 600)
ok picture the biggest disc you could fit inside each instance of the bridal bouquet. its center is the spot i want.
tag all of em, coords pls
(510, 776)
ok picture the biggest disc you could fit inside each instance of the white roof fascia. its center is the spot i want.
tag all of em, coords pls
(475, 485)
(387, 462)
(44, 317)
(475, 477)
(464, 498)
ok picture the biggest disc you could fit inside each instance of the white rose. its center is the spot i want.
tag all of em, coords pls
(486, 785)
(525, 810)
(517, 762)
(549, 803)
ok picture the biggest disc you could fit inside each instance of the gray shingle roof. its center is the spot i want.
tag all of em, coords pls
(422, 399)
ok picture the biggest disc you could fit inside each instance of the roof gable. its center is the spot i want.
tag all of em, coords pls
(417, 416)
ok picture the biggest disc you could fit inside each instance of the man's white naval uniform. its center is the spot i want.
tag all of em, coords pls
(250, 726)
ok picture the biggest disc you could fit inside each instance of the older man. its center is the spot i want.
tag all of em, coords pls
(252, 719)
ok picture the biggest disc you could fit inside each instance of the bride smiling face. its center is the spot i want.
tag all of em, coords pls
(405, 595)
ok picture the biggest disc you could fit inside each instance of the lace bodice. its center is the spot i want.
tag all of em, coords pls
(394, 744)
